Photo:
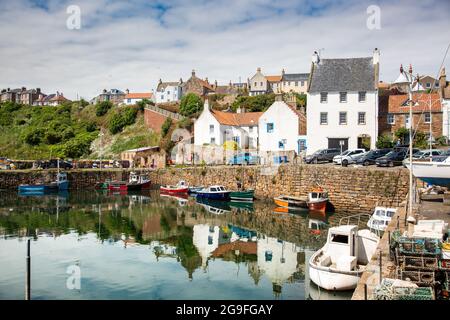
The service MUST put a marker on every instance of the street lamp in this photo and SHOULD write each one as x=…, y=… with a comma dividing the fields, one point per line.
x=406, y=79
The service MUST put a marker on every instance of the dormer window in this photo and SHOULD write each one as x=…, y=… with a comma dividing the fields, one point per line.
x=342, y=97
x=323, y=97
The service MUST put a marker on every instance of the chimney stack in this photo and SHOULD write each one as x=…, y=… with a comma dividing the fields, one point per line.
x=127, y=91
x=376, y=56
x=315, y=58
x=282, y=72
x=258, y=69
x=193, y=72
x=181, y=81
x=442, y=81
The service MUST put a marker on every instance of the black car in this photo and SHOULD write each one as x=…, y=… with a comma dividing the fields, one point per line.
x=394, y=158
x=371, y=156
x=323, y=155
x=53, y=163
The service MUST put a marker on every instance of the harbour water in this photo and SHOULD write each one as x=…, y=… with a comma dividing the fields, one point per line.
x=101, y=245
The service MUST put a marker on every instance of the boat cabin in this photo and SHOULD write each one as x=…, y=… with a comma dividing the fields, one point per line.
x=347, y=248
x=216, y=189
x=317, y=196
x=138, y=178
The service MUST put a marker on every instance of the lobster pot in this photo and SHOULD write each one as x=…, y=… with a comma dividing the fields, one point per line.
x=418, y=263
x=444, y=265
x=413, y=246
x=421, y=278
x=387, y=291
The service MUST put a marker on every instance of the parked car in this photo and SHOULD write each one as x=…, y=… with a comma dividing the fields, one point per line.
x=53, y=163
x=394, y=158
x=423, y=155
x=348, y=156
x=322, y=155
x=371, y=156
x=244, y=158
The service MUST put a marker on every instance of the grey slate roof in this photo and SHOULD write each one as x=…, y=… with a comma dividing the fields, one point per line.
x=295, y=77
x=334, y=75
x=164, y=85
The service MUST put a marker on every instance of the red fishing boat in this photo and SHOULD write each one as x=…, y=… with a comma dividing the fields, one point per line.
x=117, y=186
x=180, y=188
x=318, y=200
x=138, y=182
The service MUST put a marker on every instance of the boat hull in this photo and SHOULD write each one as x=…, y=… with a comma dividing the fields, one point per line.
x=434, y=173
x=247, y=195
x=37, y=188
x=319, y=206
x=117, y=187
x=331, y=279
x=224, y=196
x=174, y=191
x=291, y=204
x=139, y=186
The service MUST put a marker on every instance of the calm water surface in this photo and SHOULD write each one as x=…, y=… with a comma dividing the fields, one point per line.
x=149, y=246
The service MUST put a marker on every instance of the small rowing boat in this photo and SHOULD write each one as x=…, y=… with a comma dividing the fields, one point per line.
x=181, y=187
x=291, y=202
x=244, y=195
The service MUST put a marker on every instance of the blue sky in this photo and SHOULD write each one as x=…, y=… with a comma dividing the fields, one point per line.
x=132, y=44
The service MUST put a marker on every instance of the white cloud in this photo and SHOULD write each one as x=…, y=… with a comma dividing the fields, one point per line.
x=134, y=43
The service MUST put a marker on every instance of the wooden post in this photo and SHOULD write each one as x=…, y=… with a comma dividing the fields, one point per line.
x=28, y=274
x=381, y=266
x=365, y=291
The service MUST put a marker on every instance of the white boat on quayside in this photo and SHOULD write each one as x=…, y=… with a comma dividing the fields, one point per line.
x=381, y=218
x=339, y=264
x=434, y=173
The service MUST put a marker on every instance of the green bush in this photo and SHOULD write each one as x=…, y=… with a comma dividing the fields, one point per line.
x=401, y=134
x=420, y=140
x=384, y=141
x=255, y=103
x=190, y=104
x=121, y=119
x=91, y=126
x=33, y=136
x=441, y=141
x=102, y=108
x=166, y=127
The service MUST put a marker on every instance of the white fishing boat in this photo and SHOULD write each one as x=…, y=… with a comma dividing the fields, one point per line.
x=434, y=173
x=381, y=218
x=339, y=264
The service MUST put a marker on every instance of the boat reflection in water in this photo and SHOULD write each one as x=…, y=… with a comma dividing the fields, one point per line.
x=143, y=245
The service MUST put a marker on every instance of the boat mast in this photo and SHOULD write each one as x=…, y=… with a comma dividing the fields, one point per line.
x=410, y=148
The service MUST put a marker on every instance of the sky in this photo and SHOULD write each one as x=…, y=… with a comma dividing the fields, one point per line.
x=132, y=44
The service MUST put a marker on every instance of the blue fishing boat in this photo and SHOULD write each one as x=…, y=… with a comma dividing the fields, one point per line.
x=60, y=184
x=214, y=193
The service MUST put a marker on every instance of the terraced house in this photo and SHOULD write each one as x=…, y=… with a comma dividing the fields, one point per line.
x=343, y=103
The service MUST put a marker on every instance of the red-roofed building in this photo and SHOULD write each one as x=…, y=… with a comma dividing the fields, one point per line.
x=427, y=112
x=198, y=86
x=133, y=98
x=216, y=127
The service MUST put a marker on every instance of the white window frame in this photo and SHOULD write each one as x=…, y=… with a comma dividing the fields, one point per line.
x=393, y=118
x=326, y=118
x=324, y=97
x=362, y=94
x=346, y=120
x=359, y=114
x=343, y=97
x=425, y=117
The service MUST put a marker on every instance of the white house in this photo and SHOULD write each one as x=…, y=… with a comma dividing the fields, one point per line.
x=206, y=239
x=444, y=90
x=133, y=98
x=282, y=128
x=169, y=91
x=216, y=127
x=343, y=103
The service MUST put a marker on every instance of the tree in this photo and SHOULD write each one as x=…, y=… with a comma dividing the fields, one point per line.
x=255, y=103
x=102, y=108
x=401, y=134
x=300, y=99
x=420, y=140
x=190, y=104
x=384, y=141
x=166, y=127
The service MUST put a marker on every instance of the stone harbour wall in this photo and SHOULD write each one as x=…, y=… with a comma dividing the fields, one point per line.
x=352, y=190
